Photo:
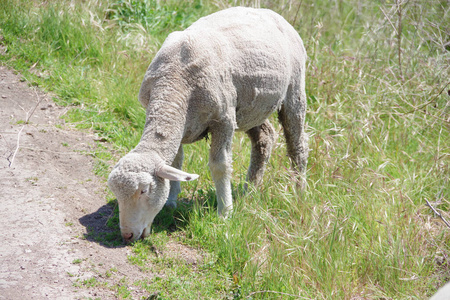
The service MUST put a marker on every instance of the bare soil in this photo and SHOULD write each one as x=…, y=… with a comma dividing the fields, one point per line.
x=50, y=202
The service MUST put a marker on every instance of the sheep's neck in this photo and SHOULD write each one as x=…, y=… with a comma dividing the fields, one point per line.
x=164, y=128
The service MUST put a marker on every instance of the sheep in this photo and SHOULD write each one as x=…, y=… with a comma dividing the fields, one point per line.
x=227, y=72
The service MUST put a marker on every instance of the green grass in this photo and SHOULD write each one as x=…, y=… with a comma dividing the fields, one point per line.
x=77, y=261
x=379, y=123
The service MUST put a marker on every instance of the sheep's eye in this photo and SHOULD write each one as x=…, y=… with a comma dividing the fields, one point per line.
x=144, y=191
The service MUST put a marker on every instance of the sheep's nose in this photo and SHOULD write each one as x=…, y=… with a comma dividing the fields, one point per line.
x=127, y=237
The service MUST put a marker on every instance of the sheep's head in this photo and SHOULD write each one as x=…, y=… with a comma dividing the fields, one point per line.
x=141, y=186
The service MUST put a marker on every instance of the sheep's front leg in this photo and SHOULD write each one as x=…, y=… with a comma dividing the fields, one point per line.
x=175, y=186
x=220, y=165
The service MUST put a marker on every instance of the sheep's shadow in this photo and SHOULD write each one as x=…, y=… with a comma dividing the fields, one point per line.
x=102, y=226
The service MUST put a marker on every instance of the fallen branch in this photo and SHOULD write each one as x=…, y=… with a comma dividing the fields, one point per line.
x=438, y=214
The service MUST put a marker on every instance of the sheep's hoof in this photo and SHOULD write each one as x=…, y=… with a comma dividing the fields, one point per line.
x=172, y=204
x=226, y=212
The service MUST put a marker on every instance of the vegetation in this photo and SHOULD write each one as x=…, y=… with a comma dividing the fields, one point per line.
x=379, y=124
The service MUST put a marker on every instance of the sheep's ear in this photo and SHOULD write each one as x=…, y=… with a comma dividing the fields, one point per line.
x=174, y=174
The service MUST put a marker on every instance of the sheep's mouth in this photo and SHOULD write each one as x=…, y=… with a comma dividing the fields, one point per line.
x=142, y=235
x=130, y=238
x=145, y=233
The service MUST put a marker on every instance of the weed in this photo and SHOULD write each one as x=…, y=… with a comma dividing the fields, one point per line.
x=90, y=282
x=33, y=180
x=122, y=289
x=101, y=168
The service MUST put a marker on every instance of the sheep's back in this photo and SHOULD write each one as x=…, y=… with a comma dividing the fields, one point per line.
x=252, y=55
x=238, y=63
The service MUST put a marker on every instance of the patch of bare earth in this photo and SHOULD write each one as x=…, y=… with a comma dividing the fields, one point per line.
x=52, y=203
x=184, y=253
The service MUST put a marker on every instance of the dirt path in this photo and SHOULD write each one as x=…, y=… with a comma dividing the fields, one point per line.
x=49, y=199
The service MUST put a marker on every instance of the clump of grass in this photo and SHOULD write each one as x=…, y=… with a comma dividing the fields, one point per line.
x=156, y=18
x=77, y=261
x=378, y=118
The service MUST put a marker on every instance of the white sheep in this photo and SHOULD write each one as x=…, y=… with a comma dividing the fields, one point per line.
x=227, y=72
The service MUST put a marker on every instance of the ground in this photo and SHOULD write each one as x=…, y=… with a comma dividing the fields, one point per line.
x=51, y=200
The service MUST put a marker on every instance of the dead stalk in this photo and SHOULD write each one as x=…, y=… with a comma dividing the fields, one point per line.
x=399, y=36
x=438, y=214
x=432, y=100
x=27, y=119
x=34, y=108
x=296, y=14
x=274, y=292
x=17, y=146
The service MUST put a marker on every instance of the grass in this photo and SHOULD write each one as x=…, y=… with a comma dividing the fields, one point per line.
x=379, y=123
x=77, y=261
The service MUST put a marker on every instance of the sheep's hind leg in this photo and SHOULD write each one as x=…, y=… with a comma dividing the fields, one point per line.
x=220, y=165
x=292, y=118
x=262, y=137
x=175, y=186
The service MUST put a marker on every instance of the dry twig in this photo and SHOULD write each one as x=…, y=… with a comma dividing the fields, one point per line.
x=17, y=146
x=431, y=101
x=296, y=14
x=438, y=214
x=399, y=36
x=27, y=119
x=274, y=292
